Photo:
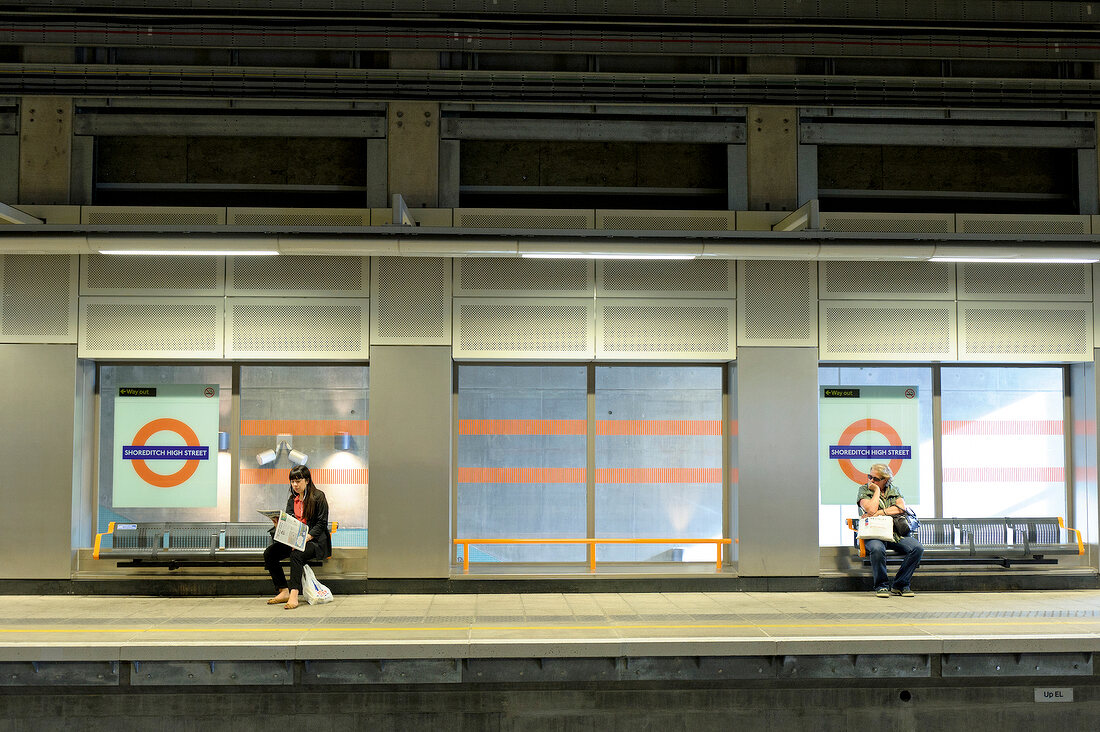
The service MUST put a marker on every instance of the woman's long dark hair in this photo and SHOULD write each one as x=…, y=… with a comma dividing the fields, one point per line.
x=309, y=498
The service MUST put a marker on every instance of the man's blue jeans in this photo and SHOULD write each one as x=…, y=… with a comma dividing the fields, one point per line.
x=910, y=546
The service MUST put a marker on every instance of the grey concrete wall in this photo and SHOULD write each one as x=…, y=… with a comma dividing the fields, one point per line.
x=409, y=512
x=777, y=462
x=37, y=398
x=874, y=704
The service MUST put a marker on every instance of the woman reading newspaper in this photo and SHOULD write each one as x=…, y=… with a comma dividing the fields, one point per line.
x=308, y=504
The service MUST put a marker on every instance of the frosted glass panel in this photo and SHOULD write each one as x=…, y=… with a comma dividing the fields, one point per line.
x=658, y=460
x=1003, y=442
x=321, y=413
x=522, y=438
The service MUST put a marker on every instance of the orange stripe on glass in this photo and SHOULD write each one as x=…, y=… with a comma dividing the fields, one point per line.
x=655, y=427
x=321, y=476
x=522, y=475
x=1004, y=475
x=633, y=476
x=273, y=427
x=1051, y=427
x=522, y=427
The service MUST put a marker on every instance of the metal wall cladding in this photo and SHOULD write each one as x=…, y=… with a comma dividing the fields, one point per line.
x=969, y=223
x=777, y=303
x=904, y=280
x=298, y=276
x=666, y=278
x=915, y=223
x=298, y=217
x=38, y=301
x=630, y=220
x=297, y=328
x=1011, y=331
x=680, y=330
x=523, y=218
x=103, y=274
x=519, y=277
x=524, y=329
x=412, y=301
x=1042, y=281
x=149, y=215
x=147, y=327
x=887, y=330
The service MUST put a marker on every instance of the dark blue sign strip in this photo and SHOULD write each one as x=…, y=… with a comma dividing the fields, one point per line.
x=872, y=452
x=174, y=452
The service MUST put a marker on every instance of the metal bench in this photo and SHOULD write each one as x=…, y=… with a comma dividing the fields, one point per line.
x=178, y=543
x=1003, y=541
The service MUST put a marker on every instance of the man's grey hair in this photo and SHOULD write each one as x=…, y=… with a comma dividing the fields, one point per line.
x=882, y=470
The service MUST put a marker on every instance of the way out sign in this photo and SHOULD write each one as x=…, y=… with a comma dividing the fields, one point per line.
x=166, y=446
x=863, y=425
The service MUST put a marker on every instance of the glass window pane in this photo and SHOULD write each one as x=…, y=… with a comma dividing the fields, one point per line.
x=321, y=413
x=1003, y=442
x=522, y=437
x=658, y=460
x=917, y=490
x=113, y=376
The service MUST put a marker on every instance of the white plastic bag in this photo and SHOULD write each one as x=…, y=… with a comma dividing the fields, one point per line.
x=315, y=592
x=876, y=527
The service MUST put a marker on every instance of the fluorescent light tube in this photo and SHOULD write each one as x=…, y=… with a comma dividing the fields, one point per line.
x=194, y=252
x=570, y=255
x=1017, y=260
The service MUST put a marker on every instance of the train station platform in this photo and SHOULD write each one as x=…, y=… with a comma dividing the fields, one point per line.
x=847, y=648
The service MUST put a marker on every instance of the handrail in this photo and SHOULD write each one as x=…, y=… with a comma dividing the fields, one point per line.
x=1080, y=544
x=718, y=543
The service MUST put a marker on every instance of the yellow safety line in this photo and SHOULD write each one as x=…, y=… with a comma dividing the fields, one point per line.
x=384, y=629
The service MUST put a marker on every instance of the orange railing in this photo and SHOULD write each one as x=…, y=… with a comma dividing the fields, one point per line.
x=465, y=543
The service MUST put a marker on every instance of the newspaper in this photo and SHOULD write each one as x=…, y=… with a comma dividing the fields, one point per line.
x=289, y=530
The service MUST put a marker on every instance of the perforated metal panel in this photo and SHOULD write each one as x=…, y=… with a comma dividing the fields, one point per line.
x=524, y=218
x=298, y=276
x=298, y=216
x=777, y=303
x=890, y=222
x=141, y=215
x=970, y=223
x=887, y=331
x=517, y=276
x=296, y=328
x=679, y=330
x=105, y=274
x=412, y=301
x=926, y=280
x=148, y=327
x=988, y=281
x=667, y=220
x=523, y=329
x=38, y=302
x=1008, y=331
x=665, y=278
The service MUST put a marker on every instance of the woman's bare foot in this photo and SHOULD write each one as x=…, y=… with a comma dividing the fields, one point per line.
x=292, y=600
x=281, y=597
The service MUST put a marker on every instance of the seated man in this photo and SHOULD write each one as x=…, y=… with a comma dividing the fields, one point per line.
x=879, y=497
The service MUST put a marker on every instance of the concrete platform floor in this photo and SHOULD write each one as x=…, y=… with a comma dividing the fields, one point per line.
x=547, y=625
